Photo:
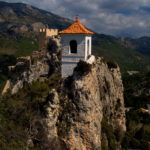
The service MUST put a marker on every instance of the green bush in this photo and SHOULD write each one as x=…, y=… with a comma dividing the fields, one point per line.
x=64, y=124
x=136, y=101
x=68, y=82
x=104, y=142
x=5, y=61
x=18, y=111
x=108, y=131
x=137, y=136
x=83, y=68
x=112, y=64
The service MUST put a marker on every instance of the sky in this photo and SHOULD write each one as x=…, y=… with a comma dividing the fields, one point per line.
x=113, y=17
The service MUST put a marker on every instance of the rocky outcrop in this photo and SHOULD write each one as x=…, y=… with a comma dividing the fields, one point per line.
x=111, y=89
x=38, y=66
x=84, y=111
x=85, y=116
x=45, y=128
x=74, y=115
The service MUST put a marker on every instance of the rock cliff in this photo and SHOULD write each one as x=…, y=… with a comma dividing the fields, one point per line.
x=83, y=112
x=39, y=66
x=74, y=116
x=87, y=99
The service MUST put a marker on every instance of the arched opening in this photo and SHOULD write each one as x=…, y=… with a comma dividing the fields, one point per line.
x=73, y=46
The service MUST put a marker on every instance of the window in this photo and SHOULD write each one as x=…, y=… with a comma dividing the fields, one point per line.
x=73, y=46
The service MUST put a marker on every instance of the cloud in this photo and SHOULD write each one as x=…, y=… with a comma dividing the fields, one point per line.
x=117, y=17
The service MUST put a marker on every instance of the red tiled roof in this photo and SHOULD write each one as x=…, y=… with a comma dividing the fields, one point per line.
x=76, y=28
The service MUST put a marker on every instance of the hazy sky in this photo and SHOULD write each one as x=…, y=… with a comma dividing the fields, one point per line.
x=117, y=17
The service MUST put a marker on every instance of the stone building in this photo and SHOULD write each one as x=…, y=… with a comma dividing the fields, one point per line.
x=49, y=32
x=44, y=34
x=76, y=46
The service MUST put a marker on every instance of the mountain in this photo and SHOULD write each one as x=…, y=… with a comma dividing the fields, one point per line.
x=17, y=14
x=141, y=44
x=20, y=23
x=127, y=52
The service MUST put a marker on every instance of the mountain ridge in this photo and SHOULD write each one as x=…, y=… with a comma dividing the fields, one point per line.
x=23, y=20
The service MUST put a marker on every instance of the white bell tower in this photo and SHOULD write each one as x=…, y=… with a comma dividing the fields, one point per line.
x=76, y=44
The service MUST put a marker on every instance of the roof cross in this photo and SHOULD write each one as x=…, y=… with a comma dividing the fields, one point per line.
x=76, y=18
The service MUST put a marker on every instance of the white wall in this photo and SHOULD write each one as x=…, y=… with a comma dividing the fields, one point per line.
x=88, y=48
x=70, y=60
x=67, y=68
x=66, y=38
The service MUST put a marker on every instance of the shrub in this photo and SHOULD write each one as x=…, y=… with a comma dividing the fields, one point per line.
x=104, y=142
x=108, y=131
x=112, y=64
x=64, y=124
x=83, y=68
x=18, y=112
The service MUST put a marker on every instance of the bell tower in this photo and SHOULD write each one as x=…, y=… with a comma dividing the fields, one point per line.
x=76, y=44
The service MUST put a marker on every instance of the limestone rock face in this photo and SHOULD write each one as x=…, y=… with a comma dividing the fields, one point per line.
x=86, y=98
x=85, y=130
x=45, y=127
x=111, y=94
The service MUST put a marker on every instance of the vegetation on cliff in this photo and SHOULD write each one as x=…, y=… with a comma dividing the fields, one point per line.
x=19, y=112
x=5, y=61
